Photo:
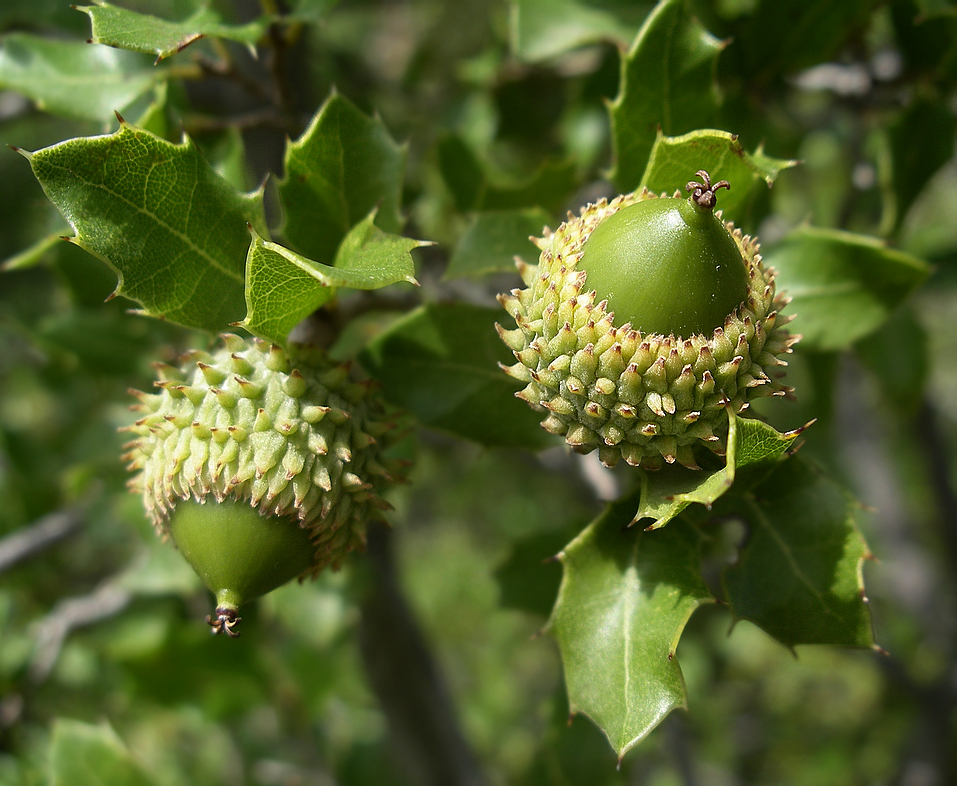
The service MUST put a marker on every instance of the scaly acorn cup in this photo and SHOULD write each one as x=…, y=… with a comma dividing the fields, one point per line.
x=647, y=322
x=262, y=465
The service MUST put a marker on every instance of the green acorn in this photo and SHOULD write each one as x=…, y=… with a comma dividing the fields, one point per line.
x=261, y=465
x=646, y=322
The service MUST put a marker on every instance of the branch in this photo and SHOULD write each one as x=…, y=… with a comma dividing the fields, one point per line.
x=38, y=536
x=404, y=676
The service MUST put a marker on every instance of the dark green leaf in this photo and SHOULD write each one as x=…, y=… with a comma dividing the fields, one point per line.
x=171, y=228
x=441, y=363
x=842, y=285
x=675, y=160
x=542, y=29
x=74, y=79
x=799, y=572
x=667, y=83
x=283, y=287
x=341, y=169
x=86, y=755
x=125, y=29
x=494, y=239
x=529, y=579
x=624, y=600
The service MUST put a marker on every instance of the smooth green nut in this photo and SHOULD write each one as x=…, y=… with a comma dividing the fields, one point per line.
x=646, y=325
x=261, y=464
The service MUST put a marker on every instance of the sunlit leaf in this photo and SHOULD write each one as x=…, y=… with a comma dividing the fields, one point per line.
x=842, y=285
x=171, y=228
x=440, y=362
x=667, y=83
x=74, y=79
x=125, y=29
x=283, y=287
x=625, y=597
x=342, y=168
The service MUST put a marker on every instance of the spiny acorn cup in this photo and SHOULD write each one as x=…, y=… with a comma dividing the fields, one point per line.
x=647, y=322
x=262, y=465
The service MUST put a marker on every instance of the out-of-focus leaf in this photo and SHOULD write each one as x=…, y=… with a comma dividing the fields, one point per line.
x=283, y=287
x=85, y=755
x=667, y=83
x=842, y=285
x=342, y=168
x=474, y=187
x=799, y=573
x=541, y=29
x=919, y=143
x=625, y=597
x=125, y=29
x=74, y=79
x=494, y=239
x=664, y=494
x=675, y=160
x=529, y=579
x=897, y=353
x=157, y=214
x=440, y=362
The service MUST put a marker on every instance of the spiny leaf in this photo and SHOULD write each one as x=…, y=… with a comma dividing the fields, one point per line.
x=74, y=79
x=674, y=161
x=799, y=573
x=283, y=287
x=667, y=82
x=342, y=168
x=440, y=362
x=625, y=598
x=119, y=27
x=160, y=217
x=842, y=285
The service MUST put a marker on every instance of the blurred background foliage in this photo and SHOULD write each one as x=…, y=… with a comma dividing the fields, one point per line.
x=104, y=661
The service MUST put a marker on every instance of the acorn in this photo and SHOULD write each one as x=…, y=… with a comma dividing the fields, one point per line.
x=261, y=464
x=646, y=323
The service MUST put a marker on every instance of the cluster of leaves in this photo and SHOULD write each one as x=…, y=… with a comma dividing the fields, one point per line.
x=582, y=100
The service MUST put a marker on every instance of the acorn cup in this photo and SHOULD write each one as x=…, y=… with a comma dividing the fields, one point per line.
x=645, y=323
x=261, y=465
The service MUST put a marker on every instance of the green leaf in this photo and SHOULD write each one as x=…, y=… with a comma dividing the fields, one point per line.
x=799, y=574
x=542, y=29
x=494, y=239
x=341, y=169
x=119, y=27
x=440, y=362
x=74, y=79
x=675, y=160
x=625, y=597
x=667, y=83
x=85, y=755
x=842, y=285
x=157, y=214
x=474, y=186
x=282, y=287
x=667, y=492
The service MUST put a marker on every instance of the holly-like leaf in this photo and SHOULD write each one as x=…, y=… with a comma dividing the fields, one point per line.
x=125, y=29
x=675, y=160
x=799, y=573
x=342, y=168
x=85, y=755
x=494, y=239
x=74, y=79
x=842, y=285
x=172, y=229
x=667, y=492
x=667, y=83
x=542, y=29
x=283, y=287
x=625, y=597
x=440, y=362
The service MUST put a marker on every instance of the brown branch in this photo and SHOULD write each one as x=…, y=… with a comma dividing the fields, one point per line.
x=38, y=536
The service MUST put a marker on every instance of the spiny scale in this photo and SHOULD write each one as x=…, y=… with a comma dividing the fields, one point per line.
x=293, y=436
x=648, y=399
